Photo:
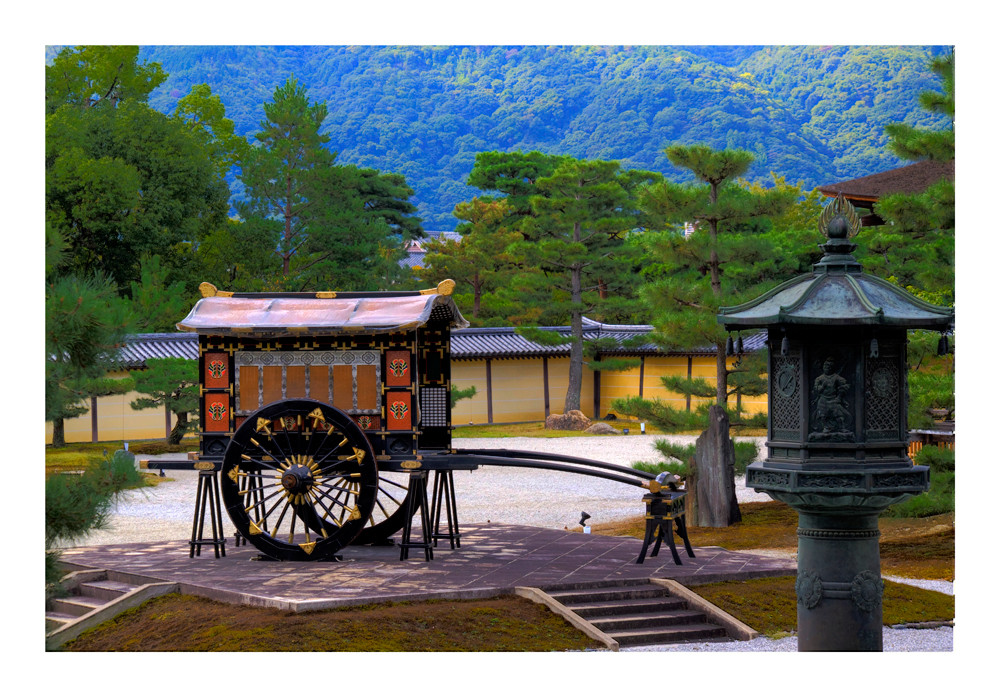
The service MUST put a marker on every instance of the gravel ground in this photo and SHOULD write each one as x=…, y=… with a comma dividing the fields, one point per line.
x=513, y=495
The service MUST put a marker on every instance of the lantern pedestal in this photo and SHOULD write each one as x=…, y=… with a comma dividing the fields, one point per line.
x=839, y=584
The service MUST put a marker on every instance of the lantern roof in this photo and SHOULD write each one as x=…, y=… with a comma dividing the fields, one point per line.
x=838, y=292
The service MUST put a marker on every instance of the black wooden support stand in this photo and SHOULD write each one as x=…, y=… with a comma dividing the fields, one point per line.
x=207, y=496
x=444, y=491
x=417, y=497
x=663, y=510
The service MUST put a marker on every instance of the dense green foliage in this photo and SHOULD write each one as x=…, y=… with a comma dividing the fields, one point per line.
x=811, y=113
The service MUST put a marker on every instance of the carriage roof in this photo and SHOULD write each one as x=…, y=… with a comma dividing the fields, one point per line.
x=221, y=313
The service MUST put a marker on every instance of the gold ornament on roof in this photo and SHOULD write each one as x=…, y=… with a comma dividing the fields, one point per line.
x=839, y=207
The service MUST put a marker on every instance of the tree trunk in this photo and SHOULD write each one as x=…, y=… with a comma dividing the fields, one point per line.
x=576, y=345
x=58, y=433
x=177, y=432
x=715, y=457
x=721, y=376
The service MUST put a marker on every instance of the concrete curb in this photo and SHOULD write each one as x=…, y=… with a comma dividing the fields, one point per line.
x=109, y=610
x=734, y=628
x=539, y=596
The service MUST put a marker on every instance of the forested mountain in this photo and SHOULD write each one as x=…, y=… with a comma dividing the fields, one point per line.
x=810, y=114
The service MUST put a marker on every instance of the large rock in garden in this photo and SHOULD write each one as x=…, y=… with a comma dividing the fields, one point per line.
x=573, y=420
x=715, y=457
x=602, y=430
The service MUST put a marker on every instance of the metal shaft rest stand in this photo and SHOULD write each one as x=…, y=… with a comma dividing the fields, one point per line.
x=664, y=509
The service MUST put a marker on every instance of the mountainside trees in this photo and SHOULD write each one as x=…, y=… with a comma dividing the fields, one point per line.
x=811, y=113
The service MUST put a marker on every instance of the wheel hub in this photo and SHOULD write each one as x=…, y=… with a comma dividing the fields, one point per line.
x=297, y=479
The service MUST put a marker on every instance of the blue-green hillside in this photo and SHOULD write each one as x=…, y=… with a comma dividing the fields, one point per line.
x=811, y=114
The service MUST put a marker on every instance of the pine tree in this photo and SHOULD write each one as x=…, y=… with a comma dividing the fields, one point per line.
x=285, y=173
x=170, y=383
x=85, y=323
x=912, y=143
x=577, y=242
x=721, y=262
x=478, y=263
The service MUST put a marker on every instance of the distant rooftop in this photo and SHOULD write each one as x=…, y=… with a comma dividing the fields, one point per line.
x=910, y=179
x=415, y=251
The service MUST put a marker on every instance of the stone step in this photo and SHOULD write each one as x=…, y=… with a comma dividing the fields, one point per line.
x=56, y=620
x=675, y=635
x=628, y=606
x=648, y=621
x=591, y=597
x=74, y=605
x=105, y=590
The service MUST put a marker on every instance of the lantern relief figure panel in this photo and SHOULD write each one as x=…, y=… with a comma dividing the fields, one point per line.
x=831, y=397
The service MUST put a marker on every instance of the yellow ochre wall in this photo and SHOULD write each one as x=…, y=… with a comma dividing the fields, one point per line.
x=518, y=395
x=519, y=390
x=116, y=420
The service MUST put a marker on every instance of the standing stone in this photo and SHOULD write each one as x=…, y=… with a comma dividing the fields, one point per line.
x=715, y=458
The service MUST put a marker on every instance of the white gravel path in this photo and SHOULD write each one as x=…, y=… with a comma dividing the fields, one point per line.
x=543, y=498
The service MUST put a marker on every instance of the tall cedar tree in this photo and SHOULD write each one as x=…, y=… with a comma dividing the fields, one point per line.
x=336, y=227
x=283, y=175
x=577, y=242
x=722, y=262
x=360, y=227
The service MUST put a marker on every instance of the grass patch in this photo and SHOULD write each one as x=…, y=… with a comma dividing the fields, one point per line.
x=186, y=623
x=769, y=605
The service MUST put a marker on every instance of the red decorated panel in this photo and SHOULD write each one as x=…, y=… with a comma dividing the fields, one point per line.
x=217, y=411
x=398, y=411
x=367, y=422
x=216, y=369
x=397, y=368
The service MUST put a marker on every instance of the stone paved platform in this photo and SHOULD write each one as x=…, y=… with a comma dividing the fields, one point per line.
x=493, y=559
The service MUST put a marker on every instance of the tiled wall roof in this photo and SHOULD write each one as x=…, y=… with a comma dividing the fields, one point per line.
x=139, y=347
x=489, y=342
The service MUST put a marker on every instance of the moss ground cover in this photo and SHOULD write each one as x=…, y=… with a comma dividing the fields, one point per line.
x=186, y=623
x=768, y=604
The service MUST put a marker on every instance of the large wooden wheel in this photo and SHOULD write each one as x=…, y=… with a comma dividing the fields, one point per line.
x=299, y=480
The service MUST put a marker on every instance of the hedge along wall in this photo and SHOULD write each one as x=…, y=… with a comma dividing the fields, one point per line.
x=115, y=420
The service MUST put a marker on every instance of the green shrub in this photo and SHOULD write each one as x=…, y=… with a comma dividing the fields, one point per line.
x=937, y=458
x=75, y=504
x=746, y=452
x=939, y=499
x=679, y=459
